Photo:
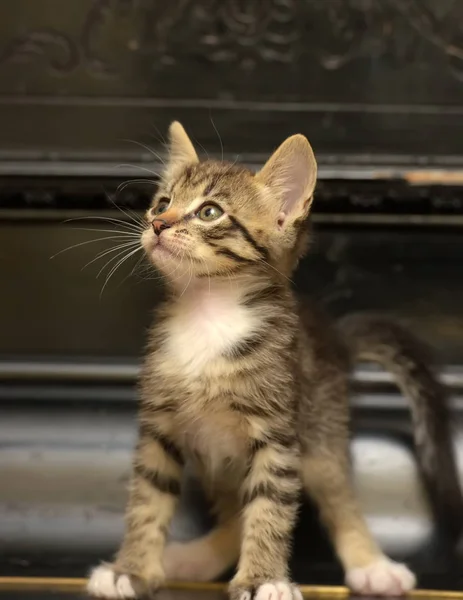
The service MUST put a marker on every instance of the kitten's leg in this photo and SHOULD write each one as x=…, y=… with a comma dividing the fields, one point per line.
x=208, y=557
x=271, y=500
x=154, y=491
x=326, y=477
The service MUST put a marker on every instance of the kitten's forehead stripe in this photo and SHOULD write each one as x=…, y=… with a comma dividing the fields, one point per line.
x=210, y=173
x=187, y=174
x=221, y=195
x=208, y=189
x=210, y=186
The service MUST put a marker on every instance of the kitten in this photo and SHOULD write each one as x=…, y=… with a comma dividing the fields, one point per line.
x=242, y=380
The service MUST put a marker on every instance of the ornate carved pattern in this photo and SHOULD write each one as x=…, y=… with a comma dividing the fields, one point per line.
x=98, y=15
x=439, y=24
x=249, y=33
x=59, y=51
x=403, y=29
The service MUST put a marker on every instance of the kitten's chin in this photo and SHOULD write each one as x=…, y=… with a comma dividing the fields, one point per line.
x=163, y=258
x=168, y=263
x=162, y=250
x=157, y=252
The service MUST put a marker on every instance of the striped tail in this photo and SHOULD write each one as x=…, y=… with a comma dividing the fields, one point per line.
x=376, y=339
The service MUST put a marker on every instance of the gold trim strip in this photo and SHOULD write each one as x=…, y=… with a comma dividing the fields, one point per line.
x=434, y=176
x=71, y=584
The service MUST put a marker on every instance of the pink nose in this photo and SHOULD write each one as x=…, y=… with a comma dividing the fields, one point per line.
x=159, y=225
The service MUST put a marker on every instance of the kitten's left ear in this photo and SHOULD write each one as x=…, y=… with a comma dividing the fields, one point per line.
x=291, y=174
x=181, y=150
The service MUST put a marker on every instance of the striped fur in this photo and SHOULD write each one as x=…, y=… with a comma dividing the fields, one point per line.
x=246, y=385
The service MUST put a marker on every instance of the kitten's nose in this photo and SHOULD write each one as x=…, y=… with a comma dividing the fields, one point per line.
x=159, y=225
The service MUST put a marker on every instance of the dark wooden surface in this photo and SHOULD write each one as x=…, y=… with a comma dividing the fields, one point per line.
x=368, y=82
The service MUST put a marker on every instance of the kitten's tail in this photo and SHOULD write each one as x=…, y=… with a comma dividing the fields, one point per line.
x=397, y=350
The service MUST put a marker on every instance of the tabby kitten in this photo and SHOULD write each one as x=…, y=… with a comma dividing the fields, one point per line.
x=242, y=382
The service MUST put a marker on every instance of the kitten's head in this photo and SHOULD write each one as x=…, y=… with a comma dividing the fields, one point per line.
x=212, y=219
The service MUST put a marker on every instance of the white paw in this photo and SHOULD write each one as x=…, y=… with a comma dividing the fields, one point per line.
x=381, y=578
x=105, y=583
x=280, y=590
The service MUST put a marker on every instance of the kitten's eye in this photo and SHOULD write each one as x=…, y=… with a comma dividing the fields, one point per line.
x=210, y=212
x=161, y=206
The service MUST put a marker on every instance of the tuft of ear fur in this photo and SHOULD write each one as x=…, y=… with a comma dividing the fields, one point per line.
x=181, y=150
x=290, y=174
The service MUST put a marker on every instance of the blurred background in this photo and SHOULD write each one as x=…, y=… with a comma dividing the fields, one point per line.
x=87, y=90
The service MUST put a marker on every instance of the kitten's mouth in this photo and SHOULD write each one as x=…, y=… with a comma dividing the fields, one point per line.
x=162, y=249
x=171, y=250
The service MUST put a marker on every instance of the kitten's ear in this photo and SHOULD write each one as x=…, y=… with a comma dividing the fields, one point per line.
x=291, y=174
x=181, y=149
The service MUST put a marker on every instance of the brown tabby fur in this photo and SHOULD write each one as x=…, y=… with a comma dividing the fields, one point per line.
x=260, y=407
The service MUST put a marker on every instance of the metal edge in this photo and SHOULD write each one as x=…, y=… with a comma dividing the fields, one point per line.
x=330, y=167
x=126, y=371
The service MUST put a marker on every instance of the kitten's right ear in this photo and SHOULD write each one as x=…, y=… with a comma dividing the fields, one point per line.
x=181, y=150
x=291, y=174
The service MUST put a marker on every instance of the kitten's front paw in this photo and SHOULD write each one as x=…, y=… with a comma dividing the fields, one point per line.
x=104, y=582
x=275, y=590
x=381, y=578
x=107, y=582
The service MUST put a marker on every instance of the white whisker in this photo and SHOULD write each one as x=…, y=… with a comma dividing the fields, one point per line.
x=169, y=275
x=109, y=251
x=133, y=217
x=275, y=269
x=202, y=148
x=121, y=187
x=111, y=260
x=111, y=220
x=113, y=231
x=160, y=139
x=203, y=260
x=118, y=264
x=191, y=275
x=218, y=135
x=150, y=150
x=136, y=265
x=139, y=167
x=107, y=237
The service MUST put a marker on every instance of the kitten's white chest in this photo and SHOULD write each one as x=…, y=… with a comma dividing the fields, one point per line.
x=205, y=327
